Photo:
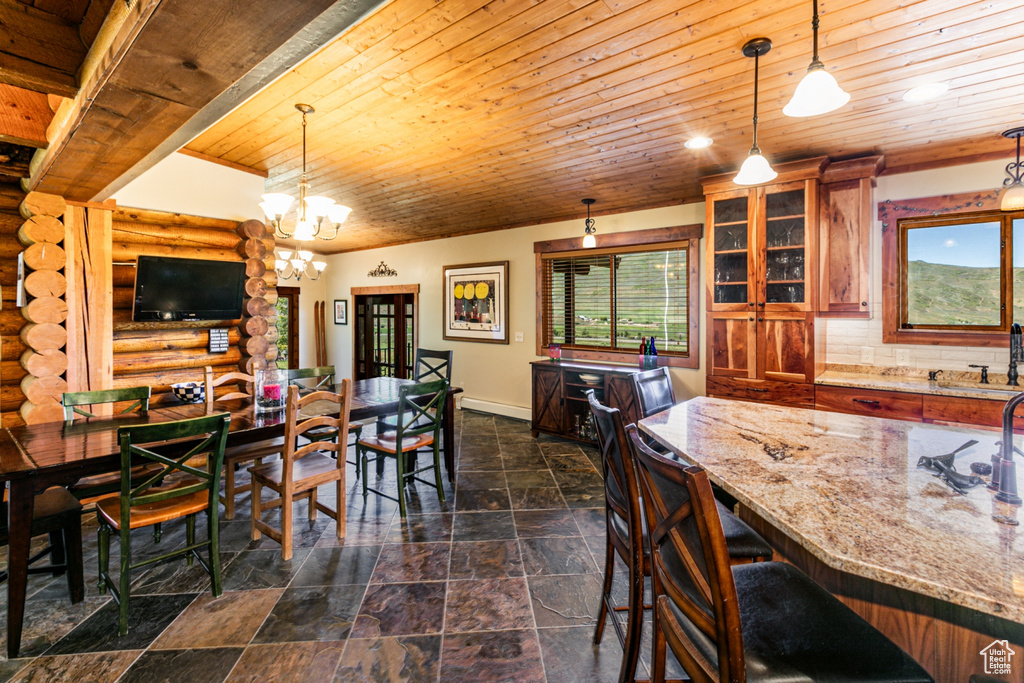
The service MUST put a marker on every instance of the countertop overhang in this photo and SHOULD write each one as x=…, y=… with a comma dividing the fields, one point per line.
x=847, y=488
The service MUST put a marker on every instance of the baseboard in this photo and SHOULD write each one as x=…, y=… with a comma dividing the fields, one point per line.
x=505, y=410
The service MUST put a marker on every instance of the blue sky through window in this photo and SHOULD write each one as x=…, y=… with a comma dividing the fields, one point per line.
x=975, y=245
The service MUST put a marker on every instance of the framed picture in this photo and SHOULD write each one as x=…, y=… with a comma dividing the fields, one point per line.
x=341, y=311
x=476, y=302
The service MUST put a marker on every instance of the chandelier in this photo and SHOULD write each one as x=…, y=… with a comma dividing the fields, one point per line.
x=318, y=217
x=298, y=267
x=589, y=241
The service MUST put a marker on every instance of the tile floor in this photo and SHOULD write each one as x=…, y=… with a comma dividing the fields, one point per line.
x=500, y=583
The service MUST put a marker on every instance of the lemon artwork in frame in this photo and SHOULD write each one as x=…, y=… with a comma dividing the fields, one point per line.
x=476, y=302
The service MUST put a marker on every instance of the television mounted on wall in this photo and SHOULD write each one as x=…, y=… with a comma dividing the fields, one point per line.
x=173, y=289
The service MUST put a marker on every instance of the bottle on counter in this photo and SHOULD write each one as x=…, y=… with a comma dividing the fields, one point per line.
x=653, y=353
x=643, y=352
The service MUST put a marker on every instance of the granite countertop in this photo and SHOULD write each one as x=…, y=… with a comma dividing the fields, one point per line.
x=912, y=380
x=847, y=488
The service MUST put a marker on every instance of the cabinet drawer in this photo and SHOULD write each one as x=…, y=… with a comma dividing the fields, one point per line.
x=972, y=411
x=782, y=393
x=889, y=404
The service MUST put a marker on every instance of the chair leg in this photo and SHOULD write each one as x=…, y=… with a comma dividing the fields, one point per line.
x=286, y=525
x=257, y=500
x=57, y=555
x=190, y=536
x=361, y=457
x=437, y=472
x=158, y=532
x=73, y=550
x=213, y=529
x=229, y=492
x=125, y=579
x=400, y=465
x=341, y=506
x=103, y=545
x=657, y=646
x=634, y=624
x=609, y=572
x=312, y=505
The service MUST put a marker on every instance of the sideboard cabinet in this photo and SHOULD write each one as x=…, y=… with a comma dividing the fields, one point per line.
x=559, y=394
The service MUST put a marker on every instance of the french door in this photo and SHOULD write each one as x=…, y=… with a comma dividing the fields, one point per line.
x=385, y=334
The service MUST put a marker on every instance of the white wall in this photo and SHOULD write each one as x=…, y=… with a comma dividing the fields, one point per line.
x=493, y=373
x=184, y=184
x=846, y=338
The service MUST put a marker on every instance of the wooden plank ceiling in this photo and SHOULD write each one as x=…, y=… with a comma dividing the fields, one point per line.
x=443, y=118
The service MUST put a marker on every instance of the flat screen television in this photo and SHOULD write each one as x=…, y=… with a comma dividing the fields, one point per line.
x=169, y=289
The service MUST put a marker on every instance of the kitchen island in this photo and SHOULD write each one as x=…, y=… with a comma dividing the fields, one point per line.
x=842, y=497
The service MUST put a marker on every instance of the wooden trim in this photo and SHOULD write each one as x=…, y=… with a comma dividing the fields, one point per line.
x=110, y=204
x=650, y=237
x=890, y=211
x=387, y=289
x=223, y=162
x=854, y=169
x=946, y=163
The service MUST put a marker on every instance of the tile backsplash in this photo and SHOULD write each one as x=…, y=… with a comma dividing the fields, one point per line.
x=845, y=340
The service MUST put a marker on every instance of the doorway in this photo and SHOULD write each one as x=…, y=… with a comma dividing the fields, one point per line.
x=287, y=328
x=386, y=331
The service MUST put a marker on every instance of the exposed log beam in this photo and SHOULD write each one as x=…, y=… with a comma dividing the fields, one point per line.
x=24, y=116
x=175, y=67
x=39, y=51
x=14, y=161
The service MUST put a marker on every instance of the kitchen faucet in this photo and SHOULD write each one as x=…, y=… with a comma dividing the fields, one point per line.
x=1006, y=488
x=984, y=372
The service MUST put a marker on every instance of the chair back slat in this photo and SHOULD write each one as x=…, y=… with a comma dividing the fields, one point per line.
x=653, y=390
x=420, y=409
x=690, y=560
x=73, y=401
x=622, y=491
x=242, y=380
x=433, y=365
x=337, y=419
x=213, y=429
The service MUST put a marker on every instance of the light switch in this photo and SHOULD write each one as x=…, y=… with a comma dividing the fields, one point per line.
x=519, y=336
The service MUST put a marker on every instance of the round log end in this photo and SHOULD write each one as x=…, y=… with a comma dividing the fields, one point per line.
x=37, y=413
x=41, y=229
x=44, y=336
x=252, y=229
x=46, y=363
x=42, y=204
x=42, y=283
x=46, y=309
x=44, y=256
x=39, y=389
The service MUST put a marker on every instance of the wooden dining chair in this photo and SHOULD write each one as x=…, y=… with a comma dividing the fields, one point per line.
x=420, y=419
x=156, y=502
x=624, y=532
x=323, y=378
x=59, y=515
x=726, y=622
x=236, y=456
x=302, y=470
x=133, y=399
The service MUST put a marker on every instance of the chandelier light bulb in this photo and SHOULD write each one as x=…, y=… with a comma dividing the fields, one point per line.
x=319, y=265
x=298, y=264
x=284, y=254
x=755, y=170
x=319, y=206
x=1013, y=198
x=280, y=264
x=338, y=213
x=589, y=242
x=275, y=205
x=818, y=93
x=304, y=231
x=305, y=255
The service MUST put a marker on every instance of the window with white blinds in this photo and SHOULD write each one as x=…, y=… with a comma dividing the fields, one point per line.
x=609, y=300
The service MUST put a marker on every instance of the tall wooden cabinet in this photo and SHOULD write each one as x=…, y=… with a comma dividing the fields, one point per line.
x=762, y=269
x=559, y=394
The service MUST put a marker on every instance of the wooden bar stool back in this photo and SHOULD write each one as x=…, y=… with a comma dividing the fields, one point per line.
x=725, y=622
x=156, y=501
x=303, y=469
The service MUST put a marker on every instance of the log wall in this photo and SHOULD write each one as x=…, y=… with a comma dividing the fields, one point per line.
x=160, y=354
x=11, y=321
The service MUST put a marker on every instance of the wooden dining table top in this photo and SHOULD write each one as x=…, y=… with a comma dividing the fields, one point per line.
x=26, y=450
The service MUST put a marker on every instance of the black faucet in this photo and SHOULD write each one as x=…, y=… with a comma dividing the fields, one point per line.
x=1006, y=483
x=1016, y=354
x=933, y=375
x=984, y=372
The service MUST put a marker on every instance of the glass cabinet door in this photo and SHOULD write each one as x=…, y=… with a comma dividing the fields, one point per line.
x=731, y=242
x=785, y=247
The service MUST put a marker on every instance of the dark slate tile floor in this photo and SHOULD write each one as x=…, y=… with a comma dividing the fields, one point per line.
x=499, y=583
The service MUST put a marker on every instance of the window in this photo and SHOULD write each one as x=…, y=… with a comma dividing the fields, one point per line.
x=598, y=304
x=957, y=275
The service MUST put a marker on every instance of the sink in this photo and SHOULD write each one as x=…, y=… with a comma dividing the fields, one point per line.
x=979, y=388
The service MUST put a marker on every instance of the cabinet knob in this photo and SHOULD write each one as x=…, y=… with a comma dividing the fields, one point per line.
x=751, y=303
x=760, y=320
x=863, y=303
x=761, y=304
x=751, y=320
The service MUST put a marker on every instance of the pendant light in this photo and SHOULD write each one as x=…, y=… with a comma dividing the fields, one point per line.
x=818, y=92
x=755, y=169
x=1013, y=195
x=589, y=241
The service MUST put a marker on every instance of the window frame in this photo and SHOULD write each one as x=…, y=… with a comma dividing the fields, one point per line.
x=658, y=239
x=894, y=279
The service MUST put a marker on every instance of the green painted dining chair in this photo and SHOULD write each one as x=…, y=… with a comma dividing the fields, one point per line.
x=420, y=417
x=154, y=501
x=83, y=403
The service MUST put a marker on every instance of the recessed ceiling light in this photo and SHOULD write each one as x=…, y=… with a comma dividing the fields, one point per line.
x=698, y=143
x=925, y=91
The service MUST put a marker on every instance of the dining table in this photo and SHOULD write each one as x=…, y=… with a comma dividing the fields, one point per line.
x=39, y=456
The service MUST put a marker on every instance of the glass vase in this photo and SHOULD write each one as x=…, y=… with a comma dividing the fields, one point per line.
x=270, y=395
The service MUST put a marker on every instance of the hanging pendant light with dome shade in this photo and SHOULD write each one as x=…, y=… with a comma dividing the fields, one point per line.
x=818, y=92
x=1013, y=195
x=755, y=169
x=318, y=217
x=589, y=241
